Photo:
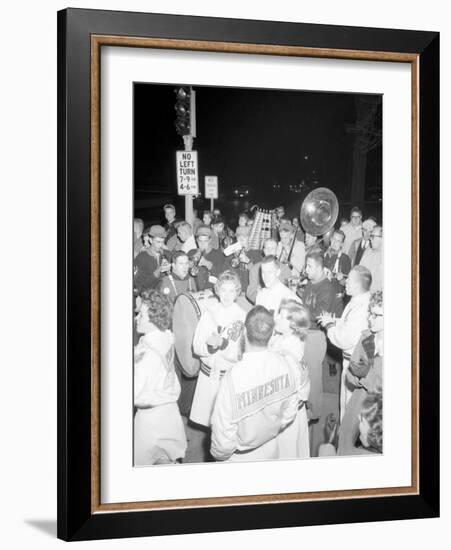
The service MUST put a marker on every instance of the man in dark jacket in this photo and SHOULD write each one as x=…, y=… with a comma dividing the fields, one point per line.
x=359, y=246
x=150, y=264
x=171, y=224
x=243, y=260
x=338, y=266
x=319, y=293
x=209, y=262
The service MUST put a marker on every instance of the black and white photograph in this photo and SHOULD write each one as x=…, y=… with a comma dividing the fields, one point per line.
x=257, y=274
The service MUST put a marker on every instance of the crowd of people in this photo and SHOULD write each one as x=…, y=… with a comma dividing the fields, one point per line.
x=260, y=313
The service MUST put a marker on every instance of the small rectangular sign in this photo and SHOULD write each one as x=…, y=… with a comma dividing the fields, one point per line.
x=211, y=187
x=187, y=173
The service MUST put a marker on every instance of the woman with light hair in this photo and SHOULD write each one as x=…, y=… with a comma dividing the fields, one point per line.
x=217, y=341
x=291, y=325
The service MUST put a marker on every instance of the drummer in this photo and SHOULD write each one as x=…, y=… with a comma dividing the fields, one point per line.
x=179, y=280
x=217, y=341
x=208, y=260
x=173, y=284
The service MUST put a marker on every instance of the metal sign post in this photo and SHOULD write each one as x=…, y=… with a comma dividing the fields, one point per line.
x=211, y=189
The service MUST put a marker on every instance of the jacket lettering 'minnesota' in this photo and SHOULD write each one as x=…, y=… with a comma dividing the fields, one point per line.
x=257, y=399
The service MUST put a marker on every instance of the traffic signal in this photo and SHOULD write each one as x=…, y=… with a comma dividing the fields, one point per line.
x=183, y=110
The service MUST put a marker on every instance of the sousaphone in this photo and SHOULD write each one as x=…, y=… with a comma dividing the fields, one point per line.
x=319, y=211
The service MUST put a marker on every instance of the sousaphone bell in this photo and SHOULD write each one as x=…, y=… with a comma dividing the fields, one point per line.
x=319, y=211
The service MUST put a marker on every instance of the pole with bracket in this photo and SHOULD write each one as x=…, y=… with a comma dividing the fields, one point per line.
x=188, y=142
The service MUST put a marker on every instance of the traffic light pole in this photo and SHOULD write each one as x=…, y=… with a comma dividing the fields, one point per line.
x=188, y=142
x=189, y=214
x=187, y=129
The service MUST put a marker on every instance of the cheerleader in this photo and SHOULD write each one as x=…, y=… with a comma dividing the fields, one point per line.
x=291, y=325
x=217, y=341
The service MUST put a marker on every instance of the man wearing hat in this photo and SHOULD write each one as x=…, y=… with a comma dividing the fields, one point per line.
x=151, y=263
x=290, y=251
x=208, y=261
x=359, y=245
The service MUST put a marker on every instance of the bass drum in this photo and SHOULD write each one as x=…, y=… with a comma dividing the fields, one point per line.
x=188, y=308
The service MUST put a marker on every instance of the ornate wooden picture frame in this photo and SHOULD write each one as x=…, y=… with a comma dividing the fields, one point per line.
x=81, y=36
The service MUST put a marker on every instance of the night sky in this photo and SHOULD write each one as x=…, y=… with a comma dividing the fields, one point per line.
x=248, y=137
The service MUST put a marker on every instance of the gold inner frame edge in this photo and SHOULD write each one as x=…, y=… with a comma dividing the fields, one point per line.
x=97, y=41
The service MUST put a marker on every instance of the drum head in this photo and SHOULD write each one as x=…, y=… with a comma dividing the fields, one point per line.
x=184, y=322
x=187, y=311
